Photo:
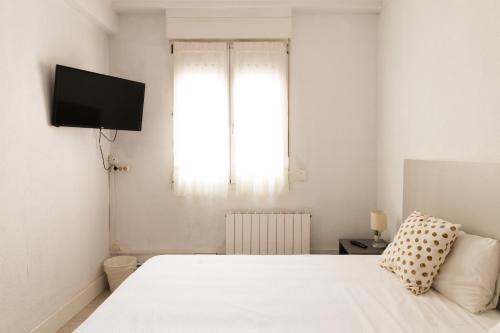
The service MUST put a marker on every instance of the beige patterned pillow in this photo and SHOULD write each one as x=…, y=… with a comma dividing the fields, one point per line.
x=418, y=250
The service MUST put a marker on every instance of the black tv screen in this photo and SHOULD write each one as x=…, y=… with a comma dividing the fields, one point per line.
x=92, y=100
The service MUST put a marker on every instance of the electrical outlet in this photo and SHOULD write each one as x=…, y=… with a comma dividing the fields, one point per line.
x=112, y=159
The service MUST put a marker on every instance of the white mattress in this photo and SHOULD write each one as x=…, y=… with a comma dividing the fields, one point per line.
x=322, y=293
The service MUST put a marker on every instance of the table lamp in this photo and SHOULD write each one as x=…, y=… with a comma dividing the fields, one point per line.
x=378, y=223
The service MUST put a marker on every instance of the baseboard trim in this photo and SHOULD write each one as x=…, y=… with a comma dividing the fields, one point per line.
x=71, y=308
x=324, y=251
x=125, y=251
x=153, y=252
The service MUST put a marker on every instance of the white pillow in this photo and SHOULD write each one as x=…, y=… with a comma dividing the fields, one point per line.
x=469, y=275
x=495, y=329
x=497, y=293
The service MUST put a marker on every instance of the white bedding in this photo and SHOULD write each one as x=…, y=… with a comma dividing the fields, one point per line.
x=323, y=293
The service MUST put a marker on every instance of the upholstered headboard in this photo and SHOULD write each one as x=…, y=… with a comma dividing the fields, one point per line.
x=461, y=192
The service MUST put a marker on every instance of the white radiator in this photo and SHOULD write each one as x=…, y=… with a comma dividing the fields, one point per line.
x=268, y=233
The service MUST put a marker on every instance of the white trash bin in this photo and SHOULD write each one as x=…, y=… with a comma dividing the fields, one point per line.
x=118, y=269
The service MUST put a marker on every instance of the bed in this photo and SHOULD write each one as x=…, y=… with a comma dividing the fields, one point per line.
x=316, y=293
x=308, y=293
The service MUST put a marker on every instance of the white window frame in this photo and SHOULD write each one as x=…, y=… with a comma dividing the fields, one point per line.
x=229, y=43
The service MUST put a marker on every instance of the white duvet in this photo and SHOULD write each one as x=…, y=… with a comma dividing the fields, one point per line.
x=314, y=293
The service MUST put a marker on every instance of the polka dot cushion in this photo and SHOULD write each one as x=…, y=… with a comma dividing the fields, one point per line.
x=418, y=250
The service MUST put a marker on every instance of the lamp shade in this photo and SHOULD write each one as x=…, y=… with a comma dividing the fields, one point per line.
x=378, y=220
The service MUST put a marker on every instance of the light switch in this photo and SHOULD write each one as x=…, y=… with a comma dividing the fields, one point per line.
x=298, y=175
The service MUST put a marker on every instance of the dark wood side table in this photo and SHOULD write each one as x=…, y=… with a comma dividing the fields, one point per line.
x=345, y=247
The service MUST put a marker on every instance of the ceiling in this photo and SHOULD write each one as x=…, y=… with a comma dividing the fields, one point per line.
x=359, y=6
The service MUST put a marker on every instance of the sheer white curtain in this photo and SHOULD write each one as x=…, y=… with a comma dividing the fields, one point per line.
x=201, y=119
x=260, y=117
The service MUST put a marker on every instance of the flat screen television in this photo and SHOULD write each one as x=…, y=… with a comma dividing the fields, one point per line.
x=92, y=100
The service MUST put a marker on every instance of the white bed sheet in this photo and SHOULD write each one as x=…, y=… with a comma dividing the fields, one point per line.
x=316, y=293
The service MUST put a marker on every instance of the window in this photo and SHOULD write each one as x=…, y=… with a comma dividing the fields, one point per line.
x=230, y=118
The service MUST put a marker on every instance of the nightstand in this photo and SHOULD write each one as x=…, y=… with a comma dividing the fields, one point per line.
x=345, y=247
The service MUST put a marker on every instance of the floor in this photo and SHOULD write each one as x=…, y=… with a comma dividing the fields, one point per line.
x=74, y=322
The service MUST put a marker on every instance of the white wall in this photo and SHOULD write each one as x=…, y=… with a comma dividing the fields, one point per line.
x=332, y=136
x=53, y=191
x=439, y=87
